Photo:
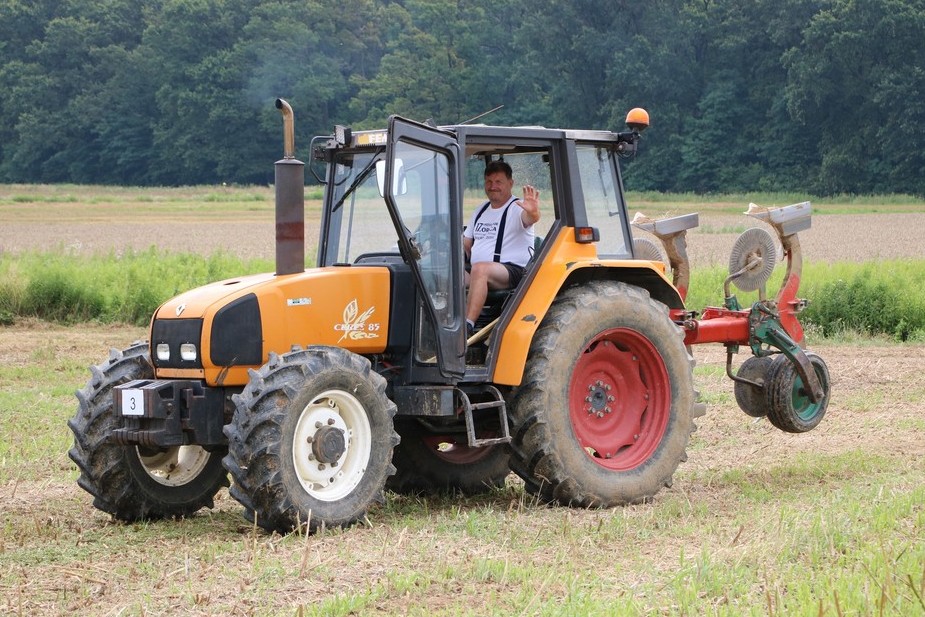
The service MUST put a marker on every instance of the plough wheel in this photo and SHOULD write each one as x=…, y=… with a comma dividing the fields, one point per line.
x=752, y=399
x=789, y=406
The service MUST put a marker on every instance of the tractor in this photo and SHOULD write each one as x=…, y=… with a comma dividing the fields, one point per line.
x=316, y=391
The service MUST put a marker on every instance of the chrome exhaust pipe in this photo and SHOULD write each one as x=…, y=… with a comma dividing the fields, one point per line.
x=290, y=201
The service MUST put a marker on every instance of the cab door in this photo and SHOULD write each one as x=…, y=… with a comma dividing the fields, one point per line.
x=423, y=193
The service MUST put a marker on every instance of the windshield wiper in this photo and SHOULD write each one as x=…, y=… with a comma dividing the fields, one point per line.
x=359, y=180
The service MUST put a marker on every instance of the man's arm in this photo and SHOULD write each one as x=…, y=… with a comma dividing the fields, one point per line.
x=530, y=205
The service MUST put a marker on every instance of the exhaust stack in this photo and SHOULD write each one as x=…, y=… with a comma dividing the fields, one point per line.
x=290, y=201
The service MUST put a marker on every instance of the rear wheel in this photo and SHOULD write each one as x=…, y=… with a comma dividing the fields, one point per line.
x=129, y=482
x=430, y=463
x=789, y=407
x=607, y=403
x=311, y=440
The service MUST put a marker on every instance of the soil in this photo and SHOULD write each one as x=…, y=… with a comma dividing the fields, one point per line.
x=834, y=238
x=878, y=399
x=875, y=389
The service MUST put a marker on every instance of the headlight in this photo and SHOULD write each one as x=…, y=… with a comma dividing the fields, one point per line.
x=188, y=352
x=163, y=352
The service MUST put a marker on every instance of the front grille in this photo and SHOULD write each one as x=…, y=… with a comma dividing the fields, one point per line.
x=175, y=332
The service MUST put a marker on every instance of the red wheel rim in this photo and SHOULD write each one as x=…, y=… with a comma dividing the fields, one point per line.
x=619, y=399
x=451, y=450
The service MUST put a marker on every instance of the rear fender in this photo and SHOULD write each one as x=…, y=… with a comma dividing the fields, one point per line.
x=568, y=263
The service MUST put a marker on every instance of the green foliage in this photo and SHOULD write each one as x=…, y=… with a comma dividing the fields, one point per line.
x=820, y=96
x=879, y=298
x=874, y=298
x=127, y=288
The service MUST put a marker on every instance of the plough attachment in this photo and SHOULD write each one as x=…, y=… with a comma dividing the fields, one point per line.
x=781, y=380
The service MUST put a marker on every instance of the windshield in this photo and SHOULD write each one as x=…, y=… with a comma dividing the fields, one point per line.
x=359, y=222
x=602, y=189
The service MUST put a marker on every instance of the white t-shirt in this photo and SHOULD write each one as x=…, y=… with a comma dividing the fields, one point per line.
x=517, y=244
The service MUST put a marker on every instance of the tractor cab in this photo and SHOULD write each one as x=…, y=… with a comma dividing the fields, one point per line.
x=400, y=198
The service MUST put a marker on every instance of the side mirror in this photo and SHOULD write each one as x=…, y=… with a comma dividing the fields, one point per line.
x=399, y=181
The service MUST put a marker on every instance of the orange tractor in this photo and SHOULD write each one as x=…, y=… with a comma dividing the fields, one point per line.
x=318, y=389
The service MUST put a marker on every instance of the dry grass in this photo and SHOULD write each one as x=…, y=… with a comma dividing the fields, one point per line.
x=752, y=512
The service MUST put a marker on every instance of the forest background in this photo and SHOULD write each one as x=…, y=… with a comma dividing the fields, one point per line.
x=820, y=96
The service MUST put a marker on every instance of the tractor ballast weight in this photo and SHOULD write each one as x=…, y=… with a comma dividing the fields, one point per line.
x=317, y=390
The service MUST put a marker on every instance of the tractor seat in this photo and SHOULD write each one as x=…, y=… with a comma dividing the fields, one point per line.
x=497, y=297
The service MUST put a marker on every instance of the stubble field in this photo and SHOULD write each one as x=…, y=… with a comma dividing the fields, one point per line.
x=830, y=522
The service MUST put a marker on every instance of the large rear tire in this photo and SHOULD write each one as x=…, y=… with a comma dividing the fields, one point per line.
x=311, y=440
x=607, y=404
x=128, y=482
x=428, y=463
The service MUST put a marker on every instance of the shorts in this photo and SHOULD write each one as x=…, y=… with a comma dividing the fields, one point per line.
x=515, y=273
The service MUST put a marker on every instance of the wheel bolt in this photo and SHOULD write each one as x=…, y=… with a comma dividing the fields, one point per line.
x=318, y=425
x=321, y=466
x=310, y=439
x=600, y=414
x=330, y=421
x=607, y=409
x=610, y=399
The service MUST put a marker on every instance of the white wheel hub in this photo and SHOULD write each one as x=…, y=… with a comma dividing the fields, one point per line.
x=339, y=419
x=175, y=466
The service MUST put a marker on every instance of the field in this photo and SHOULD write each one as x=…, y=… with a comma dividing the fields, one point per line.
x=831, y=522
x=87, y=220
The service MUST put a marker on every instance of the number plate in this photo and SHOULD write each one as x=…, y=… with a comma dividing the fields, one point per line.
x=133, y=402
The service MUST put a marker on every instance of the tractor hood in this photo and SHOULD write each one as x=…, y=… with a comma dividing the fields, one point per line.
x=220, y=330
x=197, y=302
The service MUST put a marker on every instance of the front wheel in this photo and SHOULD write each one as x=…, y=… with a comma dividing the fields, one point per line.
x=607, y=404
x=128, y=482
x=311, y=440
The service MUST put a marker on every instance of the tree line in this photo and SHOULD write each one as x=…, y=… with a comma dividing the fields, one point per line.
x=820, y=96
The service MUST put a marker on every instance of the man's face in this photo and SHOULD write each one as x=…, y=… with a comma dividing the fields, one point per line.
x=498, y=187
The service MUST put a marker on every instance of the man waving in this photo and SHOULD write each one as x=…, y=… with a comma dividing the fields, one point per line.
x=499, y=238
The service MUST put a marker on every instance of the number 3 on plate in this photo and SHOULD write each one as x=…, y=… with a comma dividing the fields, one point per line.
x=133, y=403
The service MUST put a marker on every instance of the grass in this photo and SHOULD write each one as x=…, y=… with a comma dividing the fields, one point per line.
x=109, y=288
x=874, y=298
x=757, y=522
